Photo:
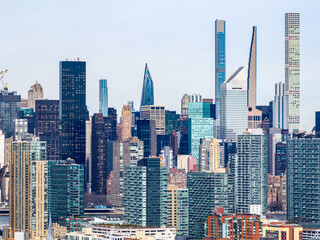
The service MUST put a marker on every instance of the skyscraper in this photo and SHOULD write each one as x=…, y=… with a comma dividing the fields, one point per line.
x=146, y=193
x=280, y=111
x=147, y=97
x=292, y=69
x=317, y=124
x=73, y=111
x=303, y=180
x=126, y=122
x=146, y=132
x=156, y=113
x=185, y=104
x=220, y=61
x=251, y=171
x=47, y=126
x=103, y=97
x=252, y=70
x=35, y=93
x=234, y=104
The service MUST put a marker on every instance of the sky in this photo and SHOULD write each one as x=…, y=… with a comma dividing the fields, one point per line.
x=175, y=37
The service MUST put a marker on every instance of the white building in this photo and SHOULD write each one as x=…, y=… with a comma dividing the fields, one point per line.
x=157, y=113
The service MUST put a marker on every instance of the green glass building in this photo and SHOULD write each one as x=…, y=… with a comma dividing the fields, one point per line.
x=303, y=180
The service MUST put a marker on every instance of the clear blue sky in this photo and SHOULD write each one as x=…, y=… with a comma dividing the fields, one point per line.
x=175, y=37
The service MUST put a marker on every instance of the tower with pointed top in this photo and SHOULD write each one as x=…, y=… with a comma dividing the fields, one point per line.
x=147, y=97
x=252, y=70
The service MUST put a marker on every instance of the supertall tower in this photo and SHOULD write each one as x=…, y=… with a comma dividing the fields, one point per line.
x=220, y=61
x=103, y=97
x=292, y=69
x=147, y=97
x=252, y=70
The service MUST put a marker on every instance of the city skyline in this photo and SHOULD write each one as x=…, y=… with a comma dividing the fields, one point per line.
x=172, y=61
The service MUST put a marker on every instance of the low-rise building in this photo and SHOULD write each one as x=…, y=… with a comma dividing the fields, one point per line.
x=311, y=233
x=281, y=231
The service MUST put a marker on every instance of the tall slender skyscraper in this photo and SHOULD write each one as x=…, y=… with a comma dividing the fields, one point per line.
x=252, y=70
x=103, y=97
x=73, y=110
x=292, y=69
x=147, y=97
x=220, y=60
x=279, y=106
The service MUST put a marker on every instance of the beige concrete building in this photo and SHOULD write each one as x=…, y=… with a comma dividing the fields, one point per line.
x=254, y=118
x=35, y=93
x=125, y=122
x=279, y=230
x=157, y=113
x=185, y=104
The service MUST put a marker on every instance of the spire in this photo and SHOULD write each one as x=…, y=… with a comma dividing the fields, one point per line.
x=252, y=71
x=50, y=235
x=147, y=97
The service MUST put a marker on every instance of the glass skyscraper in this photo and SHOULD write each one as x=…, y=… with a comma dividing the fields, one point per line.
x=73, y=110
x=292, y=69
x=220, y=61
x=147, y=97
x=200, y=126
x=103, y=97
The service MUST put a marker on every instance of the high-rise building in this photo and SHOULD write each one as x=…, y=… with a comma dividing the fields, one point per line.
x=47, y=126
x=147, y=97
x=185, y=104
x=66, y=189
x=125, y=153
x=101, y=153
x=232, y=226
x=162, y=141
x=29, y=189
x=210, y=152
x=317, y=124
x=292, y=69
x=177, y=177
x=126, y=122
x=183, y=135
x=303, y=180
x=35, y=93
x=178, y=209
x=251, y=172
x=281, y=159
x=73, y=110
x=252, y=70
x=234, y=104
x=220, y=62
x=103, y=97
x=200, y=126
x=2, y=149
x=145, y=198
x=88, y=165
x=280, y=111
x=146, y=132
x=207, y=191
x=29, y=115
x=274, y=137
x=9, y=110
x=170, y=121
x=156, y=113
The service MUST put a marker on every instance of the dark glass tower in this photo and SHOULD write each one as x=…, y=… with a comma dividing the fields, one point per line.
x=147, y=97
x=317, y=127
x=47, y=126
x=146, y=132
x=73, y=110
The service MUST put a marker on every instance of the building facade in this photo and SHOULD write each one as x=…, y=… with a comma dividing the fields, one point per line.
x=35, y=93
x=156, y=113
x=147, y=96
x=103, y=97
x=146, y=132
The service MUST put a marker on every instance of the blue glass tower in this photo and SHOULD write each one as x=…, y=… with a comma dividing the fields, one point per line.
x=147, y=97
x=103, y=97
x=220, y=61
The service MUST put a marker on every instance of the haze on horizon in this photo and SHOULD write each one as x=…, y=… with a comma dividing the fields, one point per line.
x=175, y=38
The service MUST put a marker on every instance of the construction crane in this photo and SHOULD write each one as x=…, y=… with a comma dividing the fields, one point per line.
x=4, y=83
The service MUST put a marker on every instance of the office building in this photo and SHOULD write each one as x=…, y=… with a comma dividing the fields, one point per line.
x=167, y=157
x=147, y=96
x=317, y=124
x=2, y=149
x=251, y=172
x=232, y=226
x=146, y=132
x=66, y=189
x=207, y=191
x=184, y=104
x=274, y=137
x=174, y=141
x=125, y=153
x=103, y=97
x=170, y=121
x=281, y=231
x=280, y=111
x=210, y=152
x=29, y=115
x=126, y=122
x=200, y=126
x=101, y=153
x=9, y=110
x=20, y=129
x=47, y=126
x=156, y=113
x=234, y=105
x=88, y=165
x=303, y=180
x=73, y=110
x=28, y=199
x=162, y=141
x=178, y=209
x=220, y=61
x=280, y=158
x=292, y=69
x=183, y=135
x=145, y=199
x=187, y=162
x=35, y=93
